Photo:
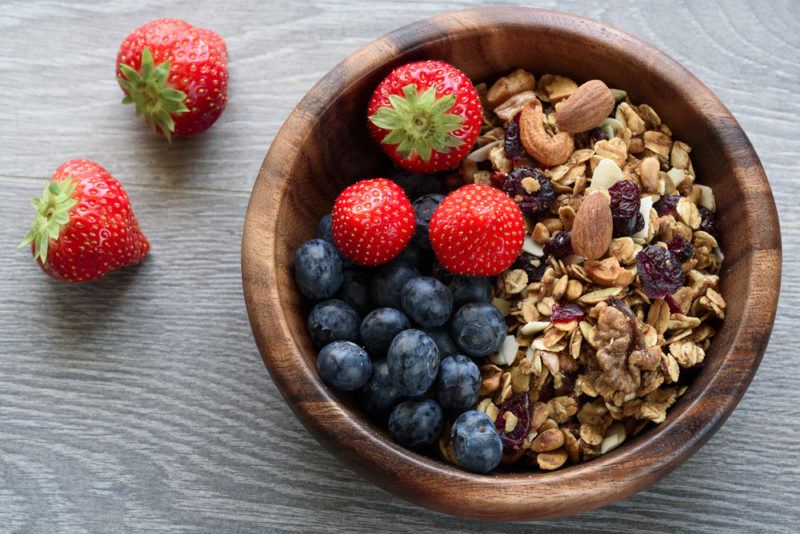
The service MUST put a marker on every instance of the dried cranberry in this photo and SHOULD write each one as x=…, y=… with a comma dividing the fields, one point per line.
x=598, y=134
x=639, y=223
x=625, y=204
x=667, y=205
x=532, y=265
x=534, y=204
x=513, y=145
x=660, y=272
x=565, y=313
x=560, y=245
x=520, y=406
x=707, y=223
x=674, y=307
x=498, y=179
x=682, y=249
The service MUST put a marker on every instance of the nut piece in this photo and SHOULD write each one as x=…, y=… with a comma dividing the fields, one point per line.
x=585, y=108
x=508, y=86
x=547, y=441
x=551, y=460
x=593, y=226
x=509, y=108
x=648, y=172
x=547, y=149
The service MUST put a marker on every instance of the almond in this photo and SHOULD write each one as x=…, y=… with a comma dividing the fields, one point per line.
x=593, y=226
x=585, y=108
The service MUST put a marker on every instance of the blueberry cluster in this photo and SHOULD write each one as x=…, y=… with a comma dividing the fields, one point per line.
x=405, y=337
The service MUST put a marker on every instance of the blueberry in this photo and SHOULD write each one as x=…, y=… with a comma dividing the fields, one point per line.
x=344, y=365
x=387, y=283
x=476, y=444
x=479, y=329
x=333, y=320
x=380, y=395
x=413, y=362
x=317, y=269
x=416, y=185
x=324, y=229
x=458, y=383
x=444, y=341
x=379, y=328
x=427, y=301
x=416, y=423
x=354, y=290
x=468, y=289
x=414, y=255
x=424, y=208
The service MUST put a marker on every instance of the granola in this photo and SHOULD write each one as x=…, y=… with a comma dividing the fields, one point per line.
x=595, y=381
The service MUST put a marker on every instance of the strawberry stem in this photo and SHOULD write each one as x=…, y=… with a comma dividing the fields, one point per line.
x=147, y=89
x=419, y=122
x=52, y=212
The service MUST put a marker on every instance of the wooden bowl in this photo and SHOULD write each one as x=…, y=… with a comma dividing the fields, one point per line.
x=324, y=146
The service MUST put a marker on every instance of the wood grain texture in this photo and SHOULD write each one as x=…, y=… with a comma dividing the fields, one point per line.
x=140, y=403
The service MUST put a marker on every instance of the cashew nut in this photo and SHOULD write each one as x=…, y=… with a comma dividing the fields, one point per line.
x=548, y=150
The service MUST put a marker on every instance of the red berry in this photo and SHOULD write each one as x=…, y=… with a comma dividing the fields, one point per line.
x=372, y=221
x=175, y=74
x=477, y=230
x=84, y=225
x=426, y=116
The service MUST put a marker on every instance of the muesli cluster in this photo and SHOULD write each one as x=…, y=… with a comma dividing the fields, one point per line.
x=592, y=355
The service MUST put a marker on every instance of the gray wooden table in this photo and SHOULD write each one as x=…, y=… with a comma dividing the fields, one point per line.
x=140, y=403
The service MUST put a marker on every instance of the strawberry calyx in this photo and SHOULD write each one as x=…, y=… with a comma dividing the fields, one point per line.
x=419, y=122
x=147, y=89
x=52, y=212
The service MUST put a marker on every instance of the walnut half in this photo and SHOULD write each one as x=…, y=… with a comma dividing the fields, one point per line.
x=622, y=355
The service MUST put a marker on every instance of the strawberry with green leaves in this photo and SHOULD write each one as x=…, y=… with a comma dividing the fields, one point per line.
x=477, y=230
x=426, y=116
x=175, y=74
x=84, y=225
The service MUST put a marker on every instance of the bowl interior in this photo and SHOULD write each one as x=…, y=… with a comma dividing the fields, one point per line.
x=308, y=166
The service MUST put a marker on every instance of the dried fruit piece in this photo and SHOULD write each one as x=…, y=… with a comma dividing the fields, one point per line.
x=560, y=245
x=520, y=407
x=707, y=223
x=660, y=272
x=512, y=144
x=667, y=205
x=625, y=204
x=535, y=204
x=565, y=313
x=682, y=248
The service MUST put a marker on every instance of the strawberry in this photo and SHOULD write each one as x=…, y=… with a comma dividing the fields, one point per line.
x=372, y=221
x=175, y=74
x=84, y=225
x=477, y=230
x=426, y=116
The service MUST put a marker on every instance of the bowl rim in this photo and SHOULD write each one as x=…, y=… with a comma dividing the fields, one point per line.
x=423, y=480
